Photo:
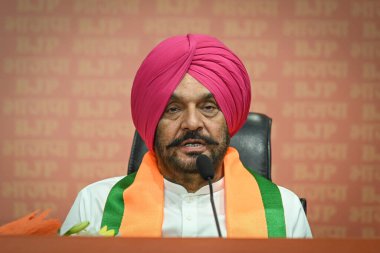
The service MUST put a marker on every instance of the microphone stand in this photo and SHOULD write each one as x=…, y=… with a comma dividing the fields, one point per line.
x=213, y=207
x=205, y=168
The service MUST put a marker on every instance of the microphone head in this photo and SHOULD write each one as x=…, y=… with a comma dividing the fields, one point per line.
x=205, y=167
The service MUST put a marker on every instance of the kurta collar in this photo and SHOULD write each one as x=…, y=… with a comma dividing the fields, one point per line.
x=180, y=190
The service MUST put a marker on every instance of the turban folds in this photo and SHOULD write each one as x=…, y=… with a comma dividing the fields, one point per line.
x=208, y=61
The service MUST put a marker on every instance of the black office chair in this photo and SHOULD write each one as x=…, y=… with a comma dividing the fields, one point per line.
x=252, y=141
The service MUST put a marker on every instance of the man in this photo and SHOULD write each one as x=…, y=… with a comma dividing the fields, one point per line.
x=189, y=96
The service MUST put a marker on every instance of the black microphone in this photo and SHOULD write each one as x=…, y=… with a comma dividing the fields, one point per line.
x=206, y=169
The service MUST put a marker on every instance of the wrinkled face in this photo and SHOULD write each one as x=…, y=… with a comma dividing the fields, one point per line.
x=191, y=124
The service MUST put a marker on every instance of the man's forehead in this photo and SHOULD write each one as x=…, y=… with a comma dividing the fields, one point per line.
x=189, y=87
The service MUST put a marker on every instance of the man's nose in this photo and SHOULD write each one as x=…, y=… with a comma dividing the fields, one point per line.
x=192, y=120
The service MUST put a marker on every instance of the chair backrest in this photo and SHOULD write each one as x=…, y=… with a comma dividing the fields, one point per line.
x=252, y=141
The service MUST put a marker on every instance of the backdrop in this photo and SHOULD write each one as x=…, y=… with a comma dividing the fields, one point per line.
x=66, y=73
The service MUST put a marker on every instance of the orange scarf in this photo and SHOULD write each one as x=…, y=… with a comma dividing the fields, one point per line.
x=143, y=201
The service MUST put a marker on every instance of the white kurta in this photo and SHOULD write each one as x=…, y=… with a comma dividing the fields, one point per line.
x=185, y=214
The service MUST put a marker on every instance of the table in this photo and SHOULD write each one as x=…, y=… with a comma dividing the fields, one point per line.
x=56, y=244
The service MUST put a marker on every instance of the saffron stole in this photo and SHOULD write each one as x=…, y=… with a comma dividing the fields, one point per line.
x=254, y=209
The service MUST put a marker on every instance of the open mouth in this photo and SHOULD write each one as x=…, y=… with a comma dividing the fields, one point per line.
x=193, y=145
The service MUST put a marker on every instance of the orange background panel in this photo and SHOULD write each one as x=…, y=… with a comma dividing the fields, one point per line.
x=67, y=68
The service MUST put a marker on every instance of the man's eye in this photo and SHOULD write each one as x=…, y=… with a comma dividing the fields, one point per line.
x=210, y=109
x=172, y=109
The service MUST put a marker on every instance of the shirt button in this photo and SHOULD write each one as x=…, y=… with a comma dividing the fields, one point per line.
x=188, y=218
x=189, y=199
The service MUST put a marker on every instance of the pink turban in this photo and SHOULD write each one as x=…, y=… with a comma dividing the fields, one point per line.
x=206, y=59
